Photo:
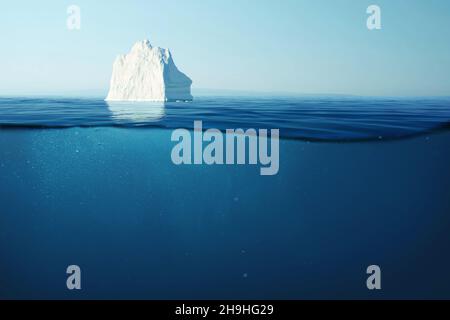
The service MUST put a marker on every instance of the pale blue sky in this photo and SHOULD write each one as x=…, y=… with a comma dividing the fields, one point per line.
x=320, y=46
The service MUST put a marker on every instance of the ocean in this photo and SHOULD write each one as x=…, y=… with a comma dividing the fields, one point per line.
x=361, y=181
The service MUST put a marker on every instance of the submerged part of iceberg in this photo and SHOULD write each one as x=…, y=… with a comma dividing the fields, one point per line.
x=148, y=74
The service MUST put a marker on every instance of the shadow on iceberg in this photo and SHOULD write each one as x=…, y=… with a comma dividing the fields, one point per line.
x=136, y=112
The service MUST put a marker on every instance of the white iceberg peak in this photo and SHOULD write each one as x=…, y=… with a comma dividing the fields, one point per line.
x=148, y=74
x=141, y=46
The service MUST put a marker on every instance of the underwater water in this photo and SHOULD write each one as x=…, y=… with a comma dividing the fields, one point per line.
x=362, y=181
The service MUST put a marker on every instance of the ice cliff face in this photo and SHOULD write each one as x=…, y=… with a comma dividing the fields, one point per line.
x=148, y=74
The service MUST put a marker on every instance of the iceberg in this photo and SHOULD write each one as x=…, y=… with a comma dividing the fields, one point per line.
x=148, y=74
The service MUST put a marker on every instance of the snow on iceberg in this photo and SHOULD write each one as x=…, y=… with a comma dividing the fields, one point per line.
x=148, y=74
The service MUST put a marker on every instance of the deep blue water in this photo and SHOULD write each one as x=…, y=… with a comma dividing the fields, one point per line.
x=84, y=184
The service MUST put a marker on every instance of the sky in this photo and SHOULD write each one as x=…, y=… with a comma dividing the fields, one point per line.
x=295, y=46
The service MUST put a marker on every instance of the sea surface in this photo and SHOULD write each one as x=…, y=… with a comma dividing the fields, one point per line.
x=313, y=118
x=362, y=181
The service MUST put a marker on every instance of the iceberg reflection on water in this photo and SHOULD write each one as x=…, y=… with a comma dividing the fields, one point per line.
x=137, y=111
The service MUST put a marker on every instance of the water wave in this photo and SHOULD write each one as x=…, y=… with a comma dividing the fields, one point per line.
x=314, y=118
